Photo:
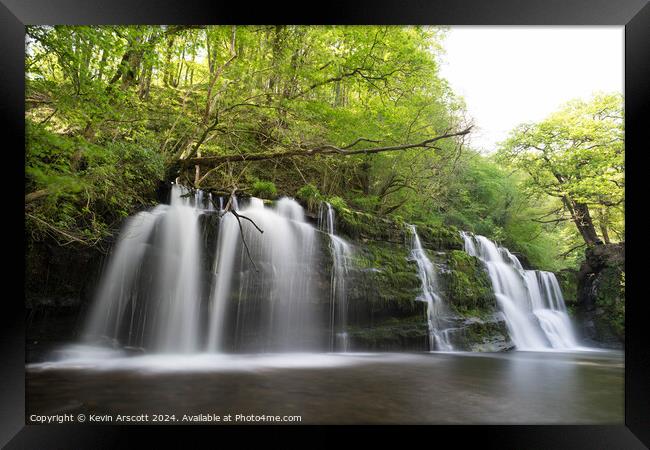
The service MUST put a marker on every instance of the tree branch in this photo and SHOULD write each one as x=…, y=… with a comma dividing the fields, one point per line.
x=229, y=209
x=321, y=150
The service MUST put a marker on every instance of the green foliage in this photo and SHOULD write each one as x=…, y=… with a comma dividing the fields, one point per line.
x=88, y=188
x=307, y=192
x=338, y=204
x=113, y=109
x=223, y=90
x=575, y=156
x=310, y=195
x=264, y=189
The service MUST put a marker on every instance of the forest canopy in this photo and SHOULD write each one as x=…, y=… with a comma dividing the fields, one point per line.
x=356, y=115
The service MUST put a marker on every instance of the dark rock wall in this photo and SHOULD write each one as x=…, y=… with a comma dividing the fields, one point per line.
x=600, y=305
x=383, y=311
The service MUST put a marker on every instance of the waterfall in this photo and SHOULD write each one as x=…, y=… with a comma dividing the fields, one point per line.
x=160, y=292
x=149, y=294
x=438, y=336
x=227, y=245
x=341, y=253
x=273, y=291
x=531, y=300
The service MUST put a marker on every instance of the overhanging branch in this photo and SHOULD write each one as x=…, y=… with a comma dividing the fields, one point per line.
x=321, y=150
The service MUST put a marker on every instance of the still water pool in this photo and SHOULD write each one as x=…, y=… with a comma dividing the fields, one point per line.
x=343, y=388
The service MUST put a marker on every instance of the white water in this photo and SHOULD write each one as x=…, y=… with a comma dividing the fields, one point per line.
x=152, y=296
x=531, y=300
x=83, y=357
x=227, y=246
x=273, y=291
x=149, y=293
x=438, y=337
x=341, y=254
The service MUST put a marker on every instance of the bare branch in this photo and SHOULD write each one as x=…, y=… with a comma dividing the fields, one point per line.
x=321, y=150
x=229, y=209
x=239, y=216
x=357, y=140
x=35, y=195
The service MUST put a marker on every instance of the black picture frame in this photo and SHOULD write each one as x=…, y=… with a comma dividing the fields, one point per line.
x=633, y=14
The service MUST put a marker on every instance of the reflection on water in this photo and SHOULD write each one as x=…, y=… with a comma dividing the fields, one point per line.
x=431, y=388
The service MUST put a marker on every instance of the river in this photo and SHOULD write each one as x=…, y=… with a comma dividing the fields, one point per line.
x=339, y=388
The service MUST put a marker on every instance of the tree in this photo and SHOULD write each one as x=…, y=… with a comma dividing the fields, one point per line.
x=361, y=112
x=575, y=155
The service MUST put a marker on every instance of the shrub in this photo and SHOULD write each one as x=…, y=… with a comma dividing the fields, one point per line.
x=264, y=189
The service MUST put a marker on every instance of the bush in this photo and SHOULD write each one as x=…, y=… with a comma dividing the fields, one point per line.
x=264, y=189
x=310, y=195
x=337, y=203
x=88, y=188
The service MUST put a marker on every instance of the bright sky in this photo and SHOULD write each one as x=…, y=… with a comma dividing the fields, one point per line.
x=510, y=75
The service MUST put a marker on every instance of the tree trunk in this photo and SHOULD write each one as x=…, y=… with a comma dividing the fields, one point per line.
x=582, y=219
x=167, y=73
x=603, y=216
x=605, y=233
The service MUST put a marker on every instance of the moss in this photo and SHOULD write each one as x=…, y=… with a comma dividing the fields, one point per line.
x=360, y=225
x=388, y=272
x=611, y=297
x=364, y=226
x=391, y=333
x=568, y=281
x=467, y=286
x=440, y=237
x=468, y=312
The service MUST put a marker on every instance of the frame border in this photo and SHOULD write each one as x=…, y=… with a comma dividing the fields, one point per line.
x=633, y=14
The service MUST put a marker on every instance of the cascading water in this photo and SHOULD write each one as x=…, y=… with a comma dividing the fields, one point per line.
x=149, y=295
x=531, y=300
x=191, y=276
x=438, y=335
x=159, y=293
x=273, y=292
x=341, y=253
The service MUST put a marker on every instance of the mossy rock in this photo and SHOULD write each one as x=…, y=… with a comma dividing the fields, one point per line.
x=568, y=281
x=364, y=226
x=610, y=296
x=386, y=275
x=601, y=295
x=488, y=333
x=440, y=237
x=409, y=333
x=466, y=284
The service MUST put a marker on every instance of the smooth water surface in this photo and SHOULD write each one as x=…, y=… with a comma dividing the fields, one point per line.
x=338, y=388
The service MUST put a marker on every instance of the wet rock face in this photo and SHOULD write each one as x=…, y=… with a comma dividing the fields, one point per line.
x=465, y=283
x=600, y=307
x=489, y=334
x=384, y=312
x=60, y=277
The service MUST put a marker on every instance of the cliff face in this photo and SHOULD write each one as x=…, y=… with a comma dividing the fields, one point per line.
x=384, y=311
x=600, y=306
